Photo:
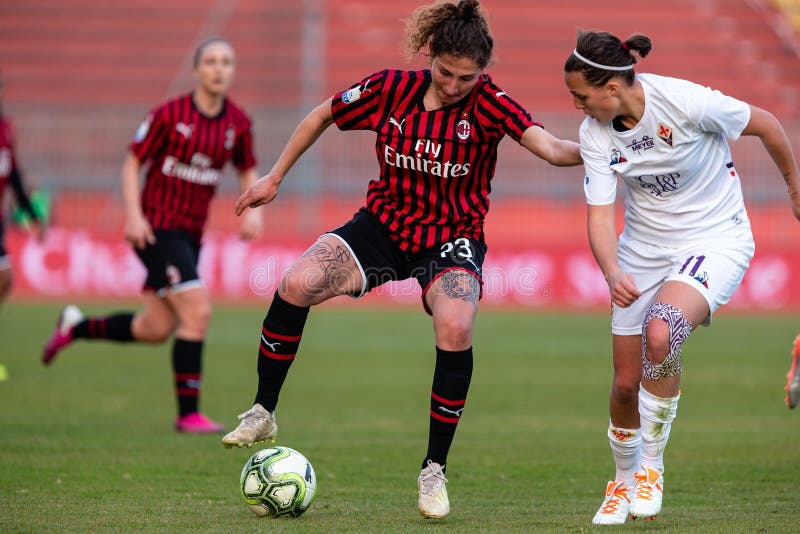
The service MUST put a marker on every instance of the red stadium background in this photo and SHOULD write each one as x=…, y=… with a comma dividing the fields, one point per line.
x=76, y=104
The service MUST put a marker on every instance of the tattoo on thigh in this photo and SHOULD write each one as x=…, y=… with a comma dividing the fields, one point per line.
x=331, y=260
x=461, y=285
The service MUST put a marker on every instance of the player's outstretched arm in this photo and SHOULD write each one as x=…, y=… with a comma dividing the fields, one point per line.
x=266, y=188
x=555, y=151
x=764, y=125
x=603, y=241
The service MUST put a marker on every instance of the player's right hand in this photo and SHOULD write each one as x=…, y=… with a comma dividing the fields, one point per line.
x=623, y=289
x=138, y=232
x=262, y=192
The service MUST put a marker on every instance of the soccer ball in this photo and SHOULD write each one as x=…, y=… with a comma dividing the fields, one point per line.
x=278, y=482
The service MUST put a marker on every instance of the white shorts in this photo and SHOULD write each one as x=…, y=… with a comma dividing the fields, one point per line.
x=714, y=267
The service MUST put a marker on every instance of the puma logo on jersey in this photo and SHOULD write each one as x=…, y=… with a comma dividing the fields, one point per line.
x=184, y=129
x=272, y=346
x=399, y=125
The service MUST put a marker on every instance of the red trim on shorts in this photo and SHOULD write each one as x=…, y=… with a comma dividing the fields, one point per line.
x=425, y=291
x=447, y=401
x=280, y=337
x=189, y=392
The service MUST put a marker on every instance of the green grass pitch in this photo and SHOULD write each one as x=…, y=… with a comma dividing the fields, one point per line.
x=87, y=445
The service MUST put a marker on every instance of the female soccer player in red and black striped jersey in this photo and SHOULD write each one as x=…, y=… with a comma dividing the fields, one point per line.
x=437, y=135
x=187, y=142
x=10, y=174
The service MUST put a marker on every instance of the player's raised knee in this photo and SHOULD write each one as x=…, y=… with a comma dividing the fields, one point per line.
x=657, y=340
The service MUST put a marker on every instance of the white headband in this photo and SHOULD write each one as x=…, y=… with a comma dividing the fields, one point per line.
x=598, y=65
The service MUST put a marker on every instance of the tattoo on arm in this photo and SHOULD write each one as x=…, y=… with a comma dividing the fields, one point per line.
x=461, y=285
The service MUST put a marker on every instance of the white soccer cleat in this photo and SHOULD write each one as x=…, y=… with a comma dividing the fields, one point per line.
x=62, y=336
x=648, y=492
x=614, y=510
x=433, y=501
x=257, y=426
x=793, y=377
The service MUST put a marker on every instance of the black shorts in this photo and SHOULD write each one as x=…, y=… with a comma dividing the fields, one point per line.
x=171, y=262
x=381, y=260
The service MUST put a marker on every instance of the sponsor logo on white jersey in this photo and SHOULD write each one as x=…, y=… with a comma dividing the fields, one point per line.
x=645, y=143
x=199, y=171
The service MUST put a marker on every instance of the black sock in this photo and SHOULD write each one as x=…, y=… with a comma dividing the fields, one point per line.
x=448, y=396
x=186, y=368
x=115, y=327
x=280, y=337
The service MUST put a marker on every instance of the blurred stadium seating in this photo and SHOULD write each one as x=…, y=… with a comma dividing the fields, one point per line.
x=81, y=74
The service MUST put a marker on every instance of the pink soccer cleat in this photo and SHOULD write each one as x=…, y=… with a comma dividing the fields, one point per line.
x=197, y=423
x=70, y=316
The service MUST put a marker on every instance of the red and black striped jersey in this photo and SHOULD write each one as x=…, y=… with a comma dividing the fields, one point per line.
x=187, y=152
x=436, y=166
x=7, y=159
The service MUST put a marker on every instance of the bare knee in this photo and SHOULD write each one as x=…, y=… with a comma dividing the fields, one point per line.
x=301, y=288
x=625, y=391
x=453, y=331
x=657, y=340
x=194, y=320
x=152, y=330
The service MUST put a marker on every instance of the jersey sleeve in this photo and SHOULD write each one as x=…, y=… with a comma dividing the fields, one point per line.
x=150, y=134
x=243, y=157
x=714, y=111
x=503, y=112
x=356, y=108
x=600, y=183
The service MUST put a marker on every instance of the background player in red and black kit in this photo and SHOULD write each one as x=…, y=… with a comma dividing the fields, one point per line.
x=437, y=137
x=187, y=142
x=10, y=175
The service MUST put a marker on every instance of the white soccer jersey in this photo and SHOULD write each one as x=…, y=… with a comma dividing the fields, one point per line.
x=676, y=163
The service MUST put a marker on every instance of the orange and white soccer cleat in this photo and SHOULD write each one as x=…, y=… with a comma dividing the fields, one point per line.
x=648, y=492
x=614, y=510
x=793, y=377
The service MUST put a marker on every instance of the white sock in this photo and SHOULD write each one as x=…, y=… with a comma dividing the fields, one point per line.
x=626, y=446
x=656, y=415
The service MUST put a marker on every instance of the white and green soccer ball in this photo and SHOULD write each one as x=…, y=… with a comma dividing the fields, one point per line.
x=278, y=482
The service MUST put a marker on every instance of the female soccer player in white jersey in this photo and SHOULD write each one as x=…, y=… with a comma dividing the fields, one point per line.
x=686, y=242
x=437, y=132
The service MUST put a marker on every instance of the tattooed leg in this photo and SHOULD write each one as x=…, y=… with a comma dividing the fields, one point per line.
x=327, y=269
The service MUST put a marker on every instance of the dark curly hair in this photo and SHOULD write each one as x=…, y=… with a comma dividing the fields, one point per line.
x=459, y=29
